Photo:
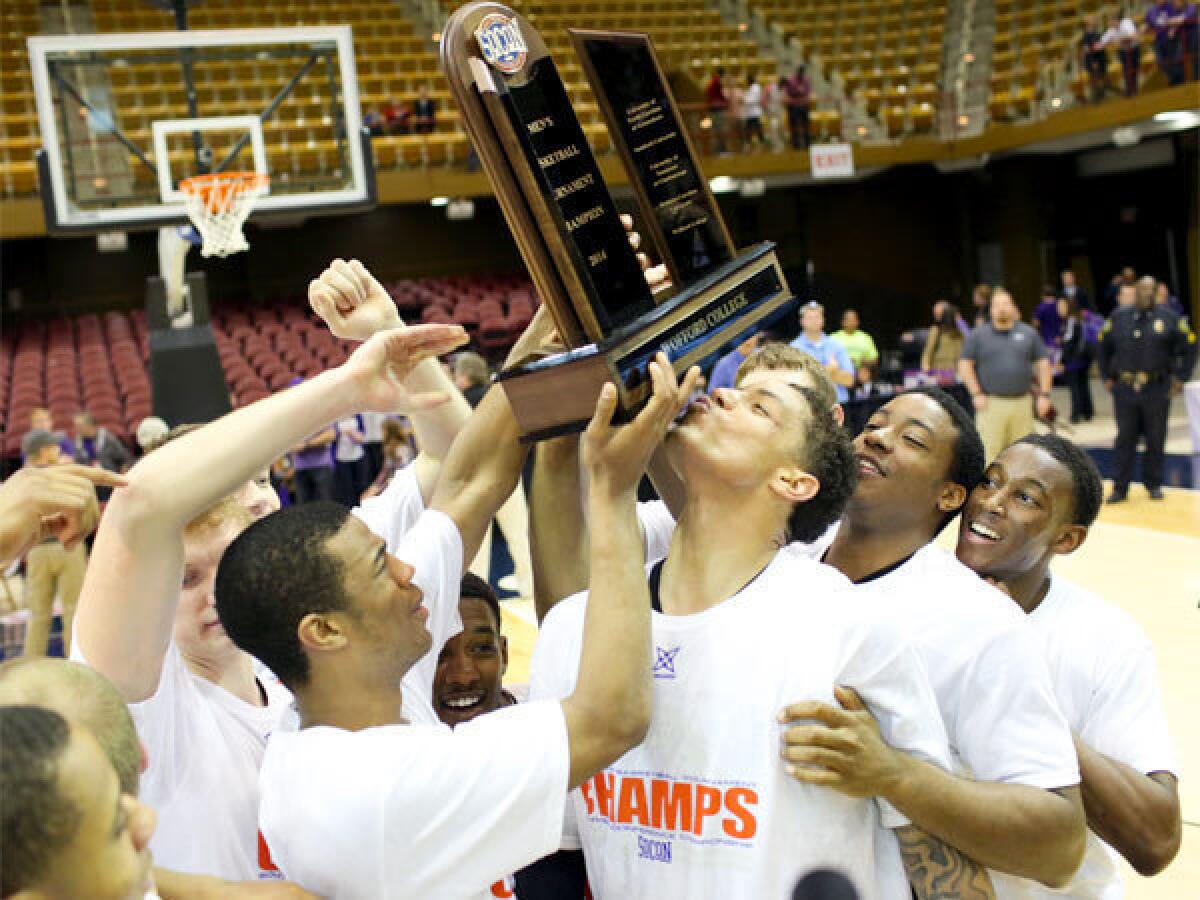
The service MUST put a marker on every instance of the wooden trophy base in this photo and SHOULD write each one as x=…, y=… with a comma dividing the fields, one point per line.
x=557, y=395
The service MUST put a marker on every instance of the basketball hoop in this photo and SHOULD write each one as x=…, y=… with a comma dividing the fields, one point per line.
x=218, y=205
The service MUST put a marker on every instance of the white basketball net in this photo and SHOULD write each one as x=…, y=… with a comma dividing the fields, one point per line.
x=218, y=205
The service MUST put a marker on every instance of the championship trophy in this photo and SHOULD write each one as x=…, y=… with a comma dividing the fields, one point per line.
x=519, y=117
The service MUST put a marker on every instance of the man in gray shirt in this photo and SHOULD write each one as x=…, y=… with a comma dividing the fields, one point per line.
x=1000, y=360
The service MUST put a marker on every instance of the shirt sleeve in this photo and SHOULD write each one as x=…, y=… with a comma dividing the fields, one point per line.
x=657, y=526
x=1010, y=728
x=970, y=348
x=1125, y=719
x=872, y=350
x=888, y=674
x=433, y=547
x=392, y=513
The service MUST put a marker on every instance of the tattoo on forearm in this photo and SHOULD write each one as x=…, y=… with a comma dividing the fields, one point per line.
x=937, y=871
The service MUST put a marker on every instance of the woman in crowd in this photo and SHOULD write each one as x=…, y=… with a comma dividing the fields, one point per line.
x=944, y=344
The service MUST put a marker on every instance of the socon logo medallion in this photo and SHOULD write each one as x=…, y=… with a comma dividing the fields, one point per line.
x=501, y=43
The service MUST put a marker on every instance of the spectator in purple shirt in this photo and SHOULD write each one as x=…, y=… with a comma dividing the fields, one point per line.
x=1167, y=46
x=797, y=97
x=724, y=373
x=1046, y=318
x=312, y=465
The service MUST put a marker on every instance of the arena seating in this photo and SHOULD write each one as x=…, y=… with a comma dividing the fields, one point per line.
x=885, y=52
x=392, y=62
x=689, y=38
x=18, y=121
x=1037, y=44
x=99, y=363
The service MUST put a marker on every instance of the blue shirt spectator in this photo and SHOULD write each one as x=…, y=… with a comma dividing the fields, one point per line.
x=816, y=343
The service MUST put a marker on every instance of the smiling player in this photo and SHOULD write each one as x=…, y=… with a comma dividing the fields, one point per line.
x=1037, y=501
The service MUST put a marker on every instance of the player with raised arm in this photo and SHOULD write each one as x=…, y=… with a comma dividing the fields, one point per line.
x=147, y=620
x=373, y=797
x=1036, y=502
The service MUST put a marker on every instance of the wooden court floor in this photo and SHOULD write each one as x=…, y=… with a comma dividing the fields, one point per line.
x=1143, y=556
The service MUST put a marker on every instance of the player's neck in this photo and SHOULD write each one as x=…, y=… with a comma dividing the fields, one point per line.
x=717, y=548
x=234, y=674
x=350, y=708
x=1029, y=588
x=863, y=546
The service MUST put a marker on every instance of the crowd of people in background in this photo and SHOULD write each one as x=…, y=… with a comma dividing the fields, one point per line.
x=1175, y=26
x=398, y=117
x=752, y=115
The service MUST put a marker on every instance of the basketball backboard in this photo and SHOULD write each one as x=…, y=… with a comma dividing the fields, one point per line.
x=124, y=118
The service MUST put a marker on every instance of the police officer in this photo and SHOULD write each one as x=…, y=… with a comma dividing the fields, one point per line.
x=1147, y=352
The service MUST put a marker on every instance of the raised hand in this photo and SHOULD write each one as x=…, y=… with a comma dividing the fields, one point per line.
x=377, y=370
x=617, y=455
x=51, y=502
x=539, y=339
x=351, y=302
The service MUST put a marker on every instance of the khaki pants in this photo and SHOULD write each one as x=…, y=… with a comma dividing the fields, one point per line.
x=52, y=570
x=1002, y=421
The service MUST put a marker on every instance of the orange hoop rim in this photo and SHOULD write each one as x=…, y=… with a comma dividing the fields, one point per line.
x=216, y=189
x=199, y=184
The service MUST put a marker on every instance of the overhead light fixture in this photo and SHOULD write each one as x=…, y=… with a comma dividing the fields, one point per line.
x=439, y=201
x=723, y=184
x=964, y=121
x=1180, y=118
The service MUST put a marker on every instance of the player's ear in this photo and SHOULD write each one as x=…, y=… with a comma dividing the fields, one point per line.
x=793, y=484
x=321, y=632
x=503, y=654
x=1069, y=538
x=952, y=497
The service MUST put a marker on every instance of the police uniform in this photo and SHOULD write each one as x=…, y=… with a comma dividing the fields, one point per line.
x=1141, y=352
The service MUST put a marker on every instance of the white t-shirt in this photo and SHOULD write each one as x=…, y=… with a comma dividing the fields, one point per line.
x=416, y=810
x=703, y=807
x=1106, y=683
x=203, y=747
x=346, y=449
x=986, y=666
x=1124, y=31
x=752, y=99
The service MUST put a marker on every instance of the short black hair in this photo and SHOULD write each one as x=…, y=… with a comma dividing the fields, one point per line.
x=474, y=586
x=1087, y=487
x=968, y=461
x=36, y=821
x=828, y=457
x=275, y=573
